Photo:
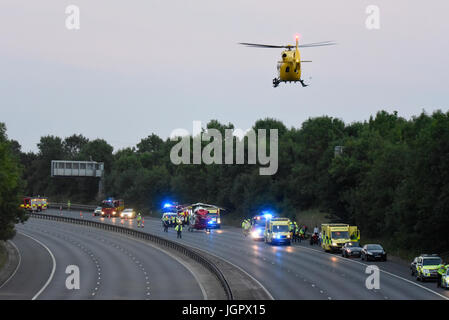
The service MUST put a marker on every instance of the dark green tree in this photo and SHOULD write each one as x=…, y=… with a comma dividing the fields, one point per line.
x=10, y=186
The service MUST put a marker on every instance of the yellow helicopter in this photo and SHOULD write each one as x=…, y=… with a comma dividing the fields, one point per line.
x=289, y=68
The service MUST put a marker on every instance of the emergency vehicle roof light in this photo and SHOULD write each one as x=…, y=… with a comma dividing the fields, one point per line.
x=267, y=215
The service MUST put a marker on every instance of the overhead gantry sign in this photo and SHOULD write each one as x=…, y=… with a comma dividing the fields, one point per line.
x=65, y=168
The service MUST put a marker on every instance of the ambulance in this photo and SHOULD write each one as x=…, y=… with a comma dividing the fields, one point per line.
x=277, y=232
x=335, y=235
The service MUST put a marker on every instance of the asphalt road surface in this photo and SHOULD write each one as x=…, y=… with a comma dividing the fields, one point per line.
x=299, y=271
x=111, y=266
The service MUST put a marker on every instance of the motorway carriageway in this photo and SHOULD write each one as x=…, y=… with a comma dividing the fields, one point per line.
x=112, y=266
x=299, y=271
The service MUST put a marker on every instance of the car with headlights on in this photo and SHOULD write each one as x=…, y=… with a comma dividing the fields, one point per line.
x=214, y=220
x=257, y=228
x=97, y=211
x=351, y=249
x=128, y=214
x=373, y=252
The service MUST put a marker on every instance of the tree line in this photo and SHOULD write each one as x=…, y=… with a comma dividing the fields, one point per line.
x=389, y=176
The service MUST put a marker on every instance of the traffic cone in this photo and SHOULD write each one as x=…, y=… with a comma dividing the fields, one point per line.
x=143, y=222
x=81, y=214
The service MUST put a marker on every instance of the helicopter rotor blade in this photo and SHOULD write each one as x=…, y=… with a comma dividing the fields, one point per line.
x=289, y=46
x=317, y=44
x=257, y=45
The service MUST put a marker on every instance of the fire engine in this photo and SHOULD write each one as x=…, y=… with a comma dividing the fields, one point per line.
x=34, y=204
x=112, y=207
x=213, y=214
x=198, y=220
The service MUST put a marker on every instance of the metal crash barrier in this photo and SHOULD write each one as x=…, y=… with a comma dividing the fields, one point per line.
x=73, y=206
x=149, y=237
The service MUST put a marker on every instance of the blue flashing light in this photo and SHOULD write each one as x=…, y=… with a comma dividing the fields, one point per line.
x=167, y=205
x=268, y=215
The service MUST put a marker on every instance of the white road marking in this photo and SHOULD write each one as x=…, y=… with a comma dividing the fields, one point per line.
x=386, y=272
x=270, y=297
x=52, y=271
x=202, y=289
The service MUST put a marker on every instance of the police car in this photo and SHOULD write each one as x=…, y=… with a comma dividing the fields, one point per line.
x=425, y=267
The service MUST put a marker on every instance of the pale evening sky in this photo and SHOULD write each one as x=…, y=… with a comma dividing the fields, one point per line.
x=143, y=66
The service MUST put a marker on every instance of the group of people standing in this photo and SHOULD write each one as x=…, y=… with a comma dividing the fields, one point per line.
x=174, y=221
x=297, y=233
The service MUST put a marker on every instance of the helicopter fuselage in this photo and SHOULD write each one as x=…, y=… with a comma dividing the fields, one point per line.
x=289, y=68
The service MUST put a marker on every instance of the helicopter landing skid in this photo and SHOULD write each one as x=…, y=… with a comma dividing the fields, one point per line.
x=276, y=82
x=303, y=84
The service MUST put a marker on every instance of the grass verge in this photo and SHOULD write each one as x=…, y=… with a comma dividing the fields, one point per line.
x=312, y=218
x=3, y=255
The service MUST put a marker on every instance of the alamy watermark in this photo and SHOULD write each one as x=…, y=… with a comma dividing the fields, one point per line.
x=72, y=282
x=72, y=21
x=373, y=280
x=212, y=153
x=372, y=22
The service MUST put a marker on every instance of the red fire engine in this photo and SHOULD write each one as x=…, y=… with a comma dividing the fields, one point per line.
x=112, y=207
